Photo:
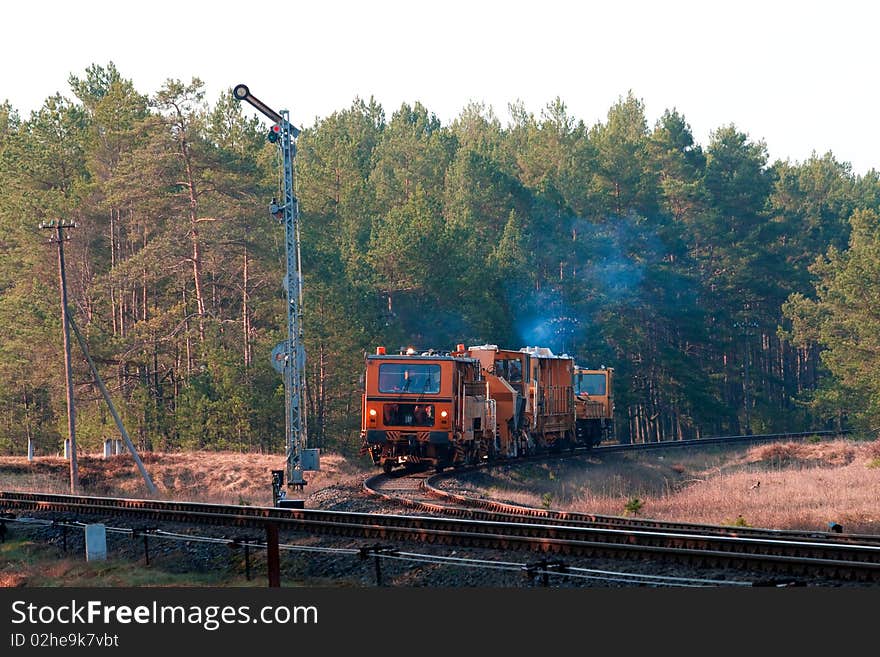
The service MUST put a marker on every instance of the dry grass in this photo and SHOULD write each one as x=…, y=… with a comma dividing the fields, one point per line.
x=796, y=485
x=219, y=477
x=27, y=563
x=781, y=485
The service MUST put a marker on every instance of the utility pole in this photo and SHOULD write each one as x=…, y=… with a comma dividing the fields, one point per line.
x=289, y=357
x=58, y=225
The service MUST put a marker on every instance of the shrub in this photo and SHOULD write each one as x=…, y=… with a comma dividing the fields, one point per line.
x=633, y=506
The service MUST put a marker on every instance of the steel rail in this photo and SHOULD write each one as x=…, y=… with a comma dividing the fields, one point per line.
x=420, y=491
x=456, y=503
x=863, y=561
x=632, y=578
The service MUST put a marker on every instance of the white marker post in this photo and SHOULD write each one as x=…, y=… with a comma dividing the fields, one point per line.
x=96, y=542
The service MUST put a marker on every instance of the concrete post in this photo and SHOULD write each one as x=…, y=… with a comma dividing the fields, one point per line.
x=30, y=449
x=108, y=448
x=67, y=448
x=96, y=542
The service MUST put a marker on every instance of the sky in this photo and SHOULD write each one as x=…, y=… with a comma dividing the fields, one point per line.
x=801, y=76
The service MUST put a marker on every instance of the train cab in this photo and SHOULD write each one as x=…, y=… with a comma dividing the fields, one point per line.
x=594, y=402
x=424, y=408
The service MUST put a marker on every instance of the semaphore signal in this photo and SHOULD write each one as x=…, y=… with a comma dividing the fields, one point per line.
x=289, y=357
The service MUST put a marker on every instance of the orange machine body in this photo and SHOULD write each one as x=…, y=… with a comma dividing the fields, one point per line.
x=594, y=404
x=479, y=403
x=532, y=388
x=425, y=408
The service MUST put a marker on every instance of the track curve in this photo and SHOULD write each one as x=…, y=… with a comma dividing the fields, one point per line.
x=421, y=491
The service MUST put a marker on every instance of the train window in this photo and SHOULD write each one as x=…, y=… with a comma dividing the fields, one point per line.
x=509, y=369
x=408, y=415
x=418, y=378
x=590, y=384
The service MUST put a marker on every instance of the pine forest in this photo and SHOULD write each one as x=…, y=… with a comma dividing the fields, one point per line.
x=730, y=294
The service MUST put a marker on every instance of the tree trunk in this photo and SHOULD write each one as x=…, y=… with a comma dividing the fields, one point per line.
x=112, y=270
x=194, y=233
x=245, y=316
x=144, y=280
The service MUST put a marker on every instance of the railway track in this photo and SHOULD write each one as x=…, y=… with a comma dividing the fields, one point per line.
x=723, y=440
x=793, y=557
x=421, y=491
x=484, y=524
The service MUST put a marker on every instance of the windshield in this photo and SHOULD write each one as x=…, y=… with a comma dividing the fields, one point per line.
x=591, y=384
x=418, y=378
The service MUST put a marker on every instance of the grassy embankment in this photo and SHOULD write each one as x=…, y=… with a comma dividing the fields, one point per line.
x=219, y=477
x=794, y=485
x=24, y=562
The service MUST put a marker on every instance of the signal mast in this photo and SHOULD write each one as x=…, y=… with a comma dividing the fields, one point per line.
x=288, y=357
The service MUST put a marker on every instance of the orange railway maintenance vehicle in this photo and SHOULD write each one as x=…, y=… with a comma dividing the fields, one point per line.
x=443, y=409
x=425, y=408
x=532, y=389
x=594, y=405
